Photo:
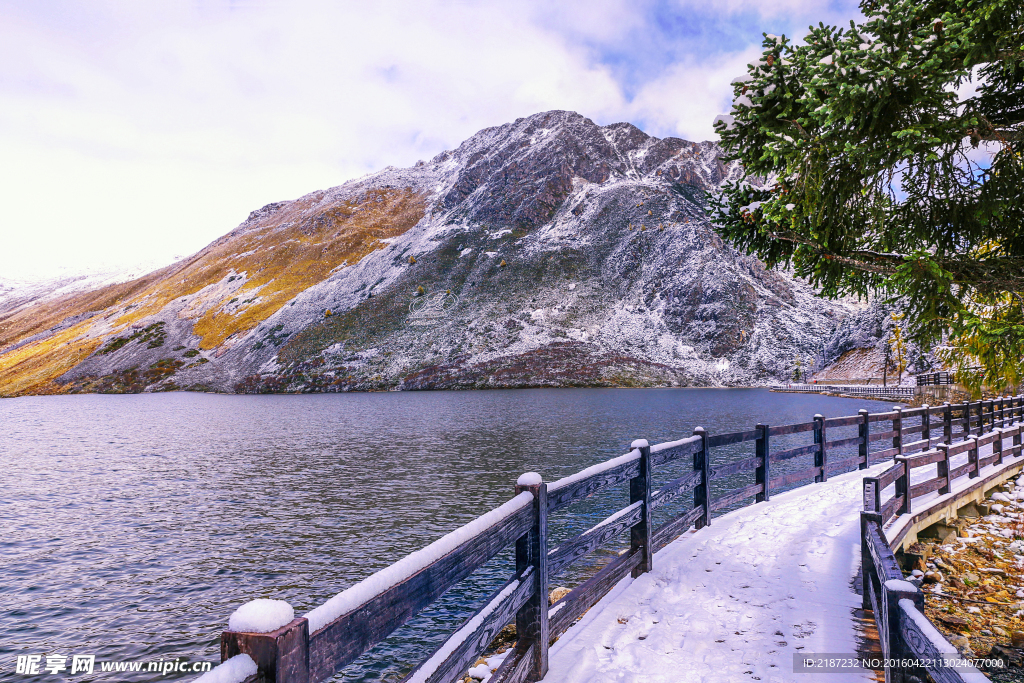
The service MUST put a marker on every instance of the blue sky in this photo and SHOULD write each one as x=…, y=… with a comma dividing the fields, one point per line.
x=133, y=133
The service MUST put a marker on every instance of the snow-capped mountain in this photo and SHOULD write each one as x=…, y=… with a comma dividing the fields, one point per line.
x=545, y=252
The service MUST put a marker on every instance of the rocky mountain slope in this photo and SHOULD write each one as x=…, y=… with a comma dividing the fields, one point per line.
x=546, y=252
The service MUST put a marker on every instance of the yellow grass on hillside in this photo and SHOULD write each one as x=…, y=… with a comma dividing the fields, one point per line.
x=33, y=367
x=39, y=317
x=282, y=261
x=282, y=254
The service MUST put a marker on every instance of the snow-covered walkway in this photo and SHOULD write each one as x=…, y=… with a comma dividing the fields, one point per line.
x=734, y=601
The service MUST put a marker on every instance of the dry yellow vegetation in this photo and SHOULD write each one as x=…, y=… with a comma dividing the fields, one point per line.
x=33, y=367
x=293, y=248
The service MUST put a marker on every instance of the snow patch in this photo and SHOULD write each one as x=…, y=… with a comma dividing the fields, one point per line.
x=529, y=479
x=261, y=616
x=234, y=670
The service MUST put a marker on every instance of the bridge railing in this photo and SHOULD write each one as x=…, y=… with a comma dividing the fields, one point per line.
x=898, y=605
x=314, y=647
x=896, y=393
x=943, y=377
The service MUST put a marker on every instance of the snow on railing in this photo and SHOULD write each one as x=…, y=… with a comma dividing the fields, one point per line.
x=904, y=630
x=328, y=638
x=375, y=584
x=897, y=391
x=234, y=670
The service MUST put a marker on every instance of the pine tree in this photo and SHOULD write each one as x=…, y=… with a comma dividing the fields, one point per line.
x=868, y=173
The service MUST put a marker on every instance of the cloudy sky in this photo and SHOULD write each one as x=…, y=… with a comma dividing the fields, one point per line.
x=136, y=132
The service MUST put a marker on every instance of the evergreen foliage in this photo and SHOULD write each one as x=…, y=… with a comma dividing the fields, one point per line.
x=888, y=158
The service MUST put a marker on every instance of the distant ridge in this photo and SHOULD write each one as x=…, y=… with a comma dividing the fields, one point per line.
x=549, y=251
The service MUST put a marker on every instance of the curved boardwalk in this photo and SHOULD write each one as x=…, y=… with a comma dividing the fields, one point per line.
x=735, y=601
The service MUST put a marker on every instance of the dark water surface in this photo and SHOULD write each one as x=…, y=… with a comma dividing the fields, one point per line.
x=132, y=526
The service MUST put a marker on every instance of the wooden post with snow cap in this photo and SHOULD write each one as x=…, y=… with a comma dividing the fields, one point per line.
x=869, y=575
x=897, y=426
x=820, y=456
x=1017, y=419
x=864, y=434
x=997, y=445
x=702, y=493
x=268, y=631
x=926, y=426
x=897, y=652
x=532, y=551
x=943, y=468
x=903, y=485
x=640, y=492
x=762, y=475
x=947, y=423
x=972, y=457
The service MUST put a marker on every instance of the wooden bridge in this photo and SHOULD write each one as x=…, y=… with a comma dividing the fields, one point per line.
x=314, y=647
x=897, y=504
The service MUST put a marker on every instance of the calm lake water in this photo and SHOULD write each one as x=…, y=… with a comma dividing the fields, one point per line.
x=132, y=526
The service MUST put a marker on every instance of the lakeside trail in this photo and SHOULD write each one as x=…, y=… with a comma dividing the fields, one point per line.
x=735, y=601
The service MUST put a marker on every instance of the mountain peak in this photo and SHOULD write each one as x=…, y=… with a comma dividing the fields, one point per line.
x=543, y=252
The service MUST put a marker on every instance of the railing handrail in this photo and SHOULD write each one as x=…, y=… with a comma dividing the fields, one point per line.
x=904, y=629
x=314, y=647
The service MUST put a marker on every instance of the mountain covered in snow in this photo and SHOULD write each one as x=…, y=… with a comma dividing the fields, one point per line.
x=545, y=252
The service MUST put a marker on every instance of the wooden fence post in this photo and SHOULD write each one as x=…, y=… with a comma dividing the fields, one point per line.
x=942, y=467
x=640, y=492
x=967, y=418
x=762, y=475
x=702, y=493
x=947, y=422
x=281, y=656
x=1016, y=437
x=532, y=551
x=972, y=457
x=863, y=433
x=898, y=652
x=897, y=426
x=820, y=456
x=903, y=485
x=872, y=495
x=926, y=426
x=1002, y=411
x=997, y=446
x=867, y=565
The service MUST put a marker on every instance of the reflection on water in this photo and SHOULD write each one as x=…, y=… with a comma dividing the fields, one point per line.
x=134, y=525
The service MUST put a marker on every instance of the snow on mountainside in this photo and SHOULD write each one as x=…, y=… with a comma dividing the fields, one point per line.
x=546, y=252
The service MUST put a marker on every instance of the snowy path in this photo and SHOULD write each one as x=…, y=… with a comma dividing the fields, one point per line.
x=735, y=601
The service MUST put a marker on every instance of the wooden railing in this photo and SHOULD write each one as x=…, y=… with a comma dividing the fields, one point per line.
x=898, y=606
x=896, y=393
x=314, y=647
x=934, y=378
x=943, y=377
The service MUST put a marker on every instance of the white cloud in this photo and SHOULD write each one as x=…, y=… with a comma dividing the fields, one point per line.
x=687, y=97
x=134, y=131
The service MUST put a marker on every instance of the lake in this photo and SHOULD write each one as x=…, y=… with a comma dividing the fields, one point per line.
x=133, y=525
